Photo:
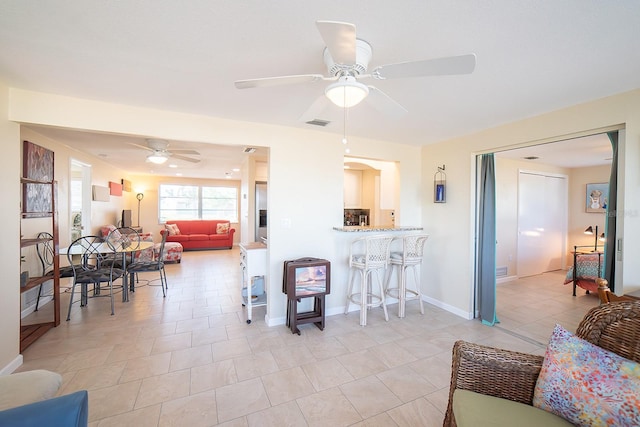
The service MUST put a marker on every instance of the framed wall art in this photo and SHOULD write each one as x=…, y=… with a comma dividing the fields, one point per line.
x=115, y=189
x=37, y=169
x=597, y=197
x=126, y=185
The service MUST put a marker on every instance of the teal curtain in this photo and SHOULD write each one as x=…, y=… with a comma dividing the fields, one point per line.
x=610, y=224
x=487, y=241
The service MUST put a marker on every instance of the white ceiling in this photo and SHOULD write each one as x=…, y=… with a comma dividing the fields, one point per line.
x=591, y=150
x=532, y=57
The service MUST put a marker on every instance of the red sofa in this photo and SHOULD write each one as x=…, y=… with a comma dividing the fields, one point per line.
x=200, y=234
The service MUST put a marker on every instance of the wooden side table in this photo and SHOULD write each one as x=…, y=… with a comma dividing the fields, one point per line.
x=306, y=278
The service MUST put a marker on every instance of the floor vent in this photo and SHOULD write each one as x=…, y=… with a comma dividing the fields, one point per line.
x=318, y=122
x=501, y=271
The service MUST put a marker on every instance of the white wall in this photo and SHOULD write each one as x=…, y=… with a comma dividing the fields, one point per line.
x=450, y=252
x=10, y=173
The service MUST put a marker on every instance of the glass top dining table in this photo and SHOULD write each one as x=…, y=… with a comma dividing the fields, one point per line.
x=105, y=248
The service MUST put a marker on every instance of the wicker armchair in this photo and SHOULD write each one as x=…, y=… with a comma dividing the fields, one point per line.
x=513, y=375
x=606, y=296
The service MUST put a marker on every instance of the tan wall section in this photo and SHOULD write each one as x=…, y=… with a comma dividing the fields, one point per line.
x=10, y=252
x=450, y=257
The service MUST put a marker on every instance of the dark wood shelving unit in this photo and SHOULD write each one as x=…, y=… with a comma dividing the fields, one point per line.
x=29, y=333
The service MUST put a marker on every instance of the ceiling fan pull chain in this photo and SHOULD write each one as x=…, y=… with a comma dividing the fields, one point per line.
x=344, y=125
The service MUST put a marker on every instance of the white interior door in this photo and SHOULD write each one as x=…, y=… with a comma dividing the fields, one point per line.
x=542, y=223
x=556, y=217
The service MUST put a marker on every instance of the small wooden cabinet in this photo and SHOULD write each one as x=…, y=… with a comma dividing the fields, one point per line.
x=30, y=332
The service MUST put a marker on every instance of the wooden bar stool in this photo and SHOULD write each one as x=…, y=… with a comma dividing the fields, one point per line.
x=410, y=257
x=368, y=255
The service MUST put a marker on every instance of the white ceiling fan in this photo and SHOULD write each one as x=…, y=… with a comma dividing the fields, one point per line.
x=160, y=152
x=347, y=60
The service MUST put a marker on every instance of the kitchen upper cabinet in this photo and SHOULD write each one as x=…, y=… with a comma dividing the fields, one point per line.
x=352, y=189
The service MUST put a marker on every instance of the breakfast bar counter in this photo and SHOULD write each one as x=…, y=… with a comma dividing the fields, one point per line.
x=375, y=228
x=344, y=237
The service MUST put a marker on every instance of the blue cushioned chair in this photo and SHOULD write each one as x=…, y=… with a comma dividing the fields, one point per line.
x=71, y=410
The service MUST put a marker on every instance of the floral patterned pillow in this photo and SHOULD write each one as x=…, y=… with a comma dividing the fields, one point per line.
x=222, y=228
x=172, y=229
x=587, y=385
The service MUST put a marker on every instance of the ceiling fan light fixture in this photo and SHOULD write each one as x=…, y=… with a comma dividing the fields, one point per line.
x=346, y=92
x=157, y=158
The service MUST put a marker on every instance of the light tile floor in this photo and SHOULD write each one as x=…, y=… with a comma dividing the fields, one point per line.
x=191, y=360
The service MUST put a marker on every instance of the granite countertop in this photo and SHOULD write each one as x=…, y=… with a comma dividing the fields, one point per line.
x=376, y=228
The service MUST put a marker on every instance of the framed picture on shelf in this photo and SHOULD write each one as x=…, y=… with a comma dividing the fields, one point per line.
x=597, y=197
x=37, y=165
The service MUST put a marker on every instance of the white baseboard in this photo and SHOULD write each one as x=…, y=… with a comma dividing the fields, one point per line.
x=12, y=366
x=31, y=308
x=274, y=322
x=506, y=279
x=451, y=309
x=353, y=307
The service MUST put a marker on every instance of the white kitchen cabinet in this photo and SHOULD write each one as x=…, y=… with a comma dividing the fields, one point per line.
x=352, y=189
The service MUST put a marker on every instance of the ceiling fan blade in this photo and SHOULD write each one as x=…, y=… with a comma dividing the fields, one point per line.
x=144, y=147
x=384, y=104
x=464, y=64
x=278, y=81
x=187, y=159
x=340, y=38
x=190, y=152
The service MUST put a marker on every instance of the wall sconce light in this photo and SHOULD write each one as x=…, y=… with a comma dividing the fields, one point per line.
x=439, y=186
x=601, y=237
x=139, y=196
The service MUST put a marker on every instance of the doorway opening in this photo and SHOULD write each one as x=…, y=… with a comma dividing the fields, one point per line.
x=582, y=160
x=79, y=198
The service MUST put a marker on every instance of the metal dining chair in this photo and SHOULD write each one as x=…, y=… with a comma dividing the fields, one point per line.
x=44, y=249
x=96, y=266
x=123, y=237
x=142, y=266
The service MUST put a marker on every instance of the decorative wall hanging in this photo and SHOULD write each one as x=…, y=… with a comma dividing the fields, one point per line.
x=439, y=186
x=37, y=165
x=126, y=185
x=597, y=197
x=100, y=194
x=115, y=189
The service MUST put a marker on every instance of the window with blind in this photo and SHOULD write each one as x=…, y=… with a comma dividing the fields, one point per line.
x=182, y=202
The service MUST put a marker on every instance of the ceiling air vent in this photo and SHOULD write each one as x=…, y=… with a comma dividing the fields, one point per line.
x=248, y=150
x=318, y=122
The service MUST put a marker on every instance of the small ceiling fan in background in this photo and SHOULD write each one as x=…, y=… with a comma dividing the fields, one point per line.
x=160, y=152
x=347, y=60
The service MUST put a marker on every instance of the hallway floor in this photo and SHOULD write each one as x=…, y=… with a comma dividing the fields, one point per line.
x=190, y=359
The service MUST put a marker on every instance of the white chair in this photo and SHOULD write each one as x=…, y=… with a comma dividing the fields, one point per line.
x=410, y=257
x=368, y=255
